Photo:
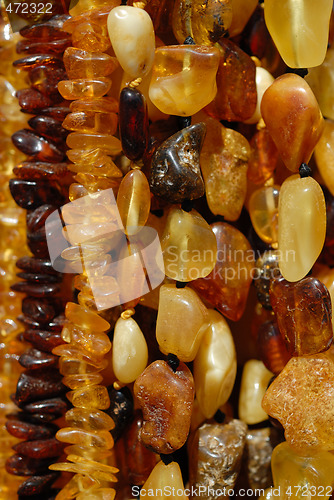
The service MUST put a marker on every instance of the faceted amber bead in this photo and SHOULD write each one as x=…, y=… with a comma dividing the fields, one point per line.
x=99, y=123
x=255, y=378
x=301, y=398
x=321, y=79
x=241, y=12
x=227, y=286
x=305, y=26
x=184, y=78
x=293, y=119
x=236, y=87
x=164, y=478
x=83, y=64
x=180, y=309
x=134, y=201
x=271, y=346
x=263, y=211
x=324, y=155
x=84, y=88
x=215, y=365
x=175, y=171
x=301, y=226
x=263, y=158
x=166, y=399
x=133, y=123
x=189, y=246
x=204, y=22
x=132, y=37
x=304, y=314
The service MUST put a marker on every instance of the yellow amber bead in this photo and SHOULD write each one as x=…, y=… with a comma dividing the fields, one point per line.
x=111, y=145
x=102, y=105
x=95, y=123
x=84, y=88
x=83, y=64
x=89, y=420
x=263, y=211
x=255, y=378
x=301, y=226
x=71, y=366
x=324, y=155
x=166, y=479
x=78, y=381
x=74, y=486
x=241, y=12
x=215, y=365
x=321, y=81
x=180, y=309
x=189, y=246
x=96, y=342
x=94, y=396
x=98, y=439
x=134, y=201
x=85, y=319
x=299, y=30
x=184, y=78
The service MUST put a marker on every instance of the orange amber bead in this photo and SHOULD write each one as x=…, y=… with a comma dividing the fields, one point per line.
x=272, y=348
x=83, y=64
x=84, y=88
x=263, y=158
x=98, y=123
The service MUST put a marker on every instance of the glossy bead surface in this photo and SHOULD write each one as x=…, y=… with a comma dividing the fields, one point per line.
x=162, y=478
x=133, y=123
x=266, y=268
x=134, y=201
x=84, y=88
x=263, y=210
x=255, y=378
x=324, y=155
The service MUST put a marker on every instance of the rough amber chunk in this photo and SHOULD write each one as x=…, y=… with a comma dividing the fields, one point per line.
x=255, y=378
x=301, y=226
x=227, y=286
x=184, y=78
x=305, y=26
x=204, y=22
x=324, y=155
x=293, y=119
x=302, y=399
x=241, y=12
x=166, y=398
x=321, y=79
x=161, y=479
x=263, y=158
x=236, y=87
x=263, y=211
x=84, y=88
x=83, y=64
x=304, y=314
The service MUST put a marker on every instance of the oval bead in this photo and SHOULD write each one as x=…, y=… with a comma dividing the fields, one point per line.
x=215, y=365
x=299, y=30
x=162, y=478
x=293, y=118
x=129, y=354
x=324, y=155
x=263, y=211
x=134, y=201
x=133, y=123
x=131, y=34
x=301, y=226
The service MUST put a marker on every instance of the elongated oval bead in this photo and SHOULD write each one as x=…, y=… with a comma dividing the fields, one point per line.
x=129, y=354
x=132, y=37
x=83, y=64
x=133, y=123
x=301, y=226
x=166, y=399
x=215, y=365
x=255, y=378
x=293, y=119
x=134, y=201
x=241, y=12
x=184, y=78
x=189, y=246
x=304, y=315
x=271, y=346
x=263, y=211
x=180, y=309
x=299, y=30
x=161, y=479
x=324, y=155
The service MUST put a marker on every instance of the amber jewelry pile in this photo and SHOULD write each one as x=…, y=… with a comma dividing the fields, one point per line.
x=197, y=337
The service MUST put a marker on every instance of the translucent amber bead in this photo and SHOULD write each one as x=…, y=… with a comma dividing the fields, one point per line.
x=133, y=123
x=129, y=354
x=99, y=439
x=84, y=318
x=102, y=105
x=293, y=119
x=88, y=420
x=184, y=78
x=166, y=399
x=255, y=378
x=305, y=25
x=321, y=80
x=263, y=158
x=84, y=88
x=180, y=309
x=164, y=478
x=134, y=201
x=304, y=315
x=326, y=276
x=204, y=22
x=324, y=155
x=301, y=226
x=99, y=123
x=215, y=365
x=263, y=211
x=271, y=346
x=132, y=37
x=189, y=246
x=241, y=12
x=111, y=145
x=83, y=64
x=94, y=396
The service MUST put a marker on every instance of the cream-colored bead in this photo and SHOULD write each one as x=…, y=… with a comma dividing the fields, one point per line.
x=129, y=354
x=164, y=482
x=132, y=37
x=263, y=80
x=255, y=378
x=215, y=365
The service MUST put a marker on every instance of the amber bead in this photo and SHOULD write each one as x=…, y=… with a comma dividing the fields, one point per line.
x=167, y=479
x=33, y=265
x=47, y=409
x=33, y=47
x=227, y=286
x=35, y=60
x=259, y=447
x=263, y=158
x=48, y=127
x=37, y=485
x=100, y=123
x=175, y=171
x=84, y=88
x=110, y=144
x=102, y=105
x=29, y=431
x=271, y=346
x=236, y=87
x=25, y=466
x=254, y=381
x=166, y=399
x=49, y=30
x=133, y=123
x=293, y=119
x=45, y=80
x=83, y=64
x=320, y=79
x=304, y=314
x=31, y=194
x=324, y=155
x=33, y=144
x=45, y=448
x=43, y=340
x=35, y=359
x=263, y=211
x=59, y=112
x=32, y=101
x=35, y=384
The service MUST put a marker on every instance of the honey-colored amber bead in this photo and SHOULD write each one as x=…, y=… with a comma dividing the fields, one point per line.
x=129, y=354
x=84, y=88
x=227, y=286
x=184, y=78
x=302, y=399
x=78, y=381
x=324, y=155
x=304, y=315
x=241, y=12
x=132, y=37
x=88, y=420
x=134, y=201
x=272, y=348
x=263, y=80
x=83, y=7
x=180, y=309
x=293, y=118
x=255, y=378
x=204, y=22
x=94, y=341
x=215, y=454
x=99, y=439
x=164, y=478
x=111, y=145
x=215, y=365
x=99, y=123
x=301, y=226
x=236, y=87
x=84, y=318
x=263, y=211
x=189, y=246
x=83, y=64
x=95, y=396
x=102, y=105
x=263, y=158
x=305, y=26
x=166, y=399
x=321, y=80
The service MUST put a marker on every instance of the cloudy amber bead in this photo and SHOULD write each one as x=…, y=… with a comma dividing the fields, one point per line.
x=84, y=88
x=83, y=64
x=263, y=211
x=301, y=226
x=167, y=479
x=184, y=78
x=99, y=123
x=324, y=155
x=321, y=80
x=134, y=201
x=241, y=12
x=255, y=378
x=299, y=30
x=293, y=118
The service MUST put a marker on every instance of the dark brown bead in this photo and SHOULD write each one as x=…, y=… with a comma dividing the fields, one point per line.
x=46, y=79
x=34, y=359
x=29, y=431
x=24, y=466
x=33, y=265
x=36, y=218
x=133, y=123
x=48, y=127
x=45, y=448
x=35, y=289
x=50, y=30
x=53, y=407
x=38, y=309
x=37, y=485
x=41, y=170
x=32, y=61
x=271, y=346
x=51, y=47
x=33, y=144
x=57, y=112
x=34, y=385
x=32, y=194
x=32, y=101
x=39, y=278
x=56, y=325
x=42, y=339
